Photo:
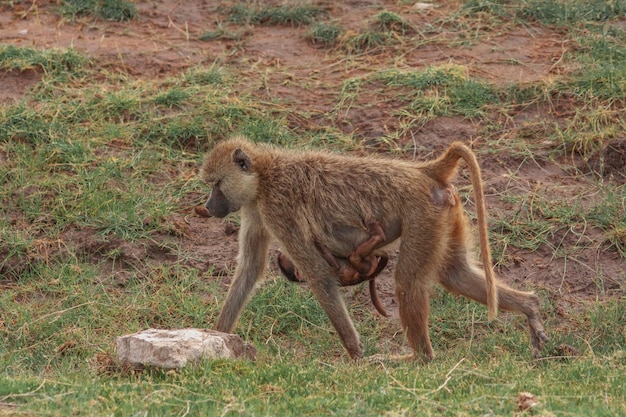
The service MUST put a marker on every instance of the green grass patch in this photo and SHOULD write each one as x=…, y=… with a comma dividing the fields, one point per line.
x=392, y=22
x=287, y=15
x=566, y=12
x=173, y=97
x=61, y=322
x=325, y=34
x=551, y=12
x=432, y=92
x=539, y=219
x=366, y=41
x=610, y=215
x=65, y=63
x=386, y=29
x=602, y=56
x=117, y=10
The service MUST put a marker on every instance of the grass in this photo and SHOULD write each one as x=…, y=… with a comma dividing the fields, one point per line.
x=52, y=62
x=392, y=22
x=326, y=34
x=116, y=10
x=429, y=93
x=385, y=30
x=58, y=359
x=287, y=15
x=98, y=167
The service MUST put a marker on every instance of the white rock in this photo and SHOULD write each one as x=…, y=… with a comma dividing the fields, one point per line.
x=423, y=6
x=174, y=348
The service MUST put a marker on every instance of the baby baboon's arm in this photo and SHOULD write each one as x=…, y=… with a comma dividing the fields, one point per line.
x=361, y=258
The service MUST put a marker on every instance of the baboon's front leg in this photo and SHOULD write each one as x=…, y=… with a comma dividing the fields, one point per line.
x=253, y=251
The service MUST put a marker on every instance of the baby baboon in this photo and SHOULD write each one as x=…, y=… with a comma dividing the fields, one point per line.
x=346, y=274
x=308, y=200
x=361, y=258
x=360, y=266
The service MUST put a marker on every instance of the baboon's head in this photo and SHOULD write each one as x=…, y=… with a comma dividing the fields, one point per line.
x=229, y=169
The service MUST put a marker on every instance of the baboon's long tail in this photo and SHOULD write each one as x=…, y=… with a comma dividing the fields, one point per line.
x=446, y=165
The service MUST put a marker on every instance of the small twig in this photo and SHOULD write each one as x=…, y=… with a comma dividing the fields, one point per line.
x=30, y=9
x=587, y=343
x=448, y=378
x=558, y=61
x=26, y=394
x=53, y=313
x=545, y=358
x=187, y=410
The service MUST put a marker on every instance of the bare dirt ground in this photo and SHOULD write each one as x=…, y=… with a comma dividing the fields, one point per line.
x=278, y=63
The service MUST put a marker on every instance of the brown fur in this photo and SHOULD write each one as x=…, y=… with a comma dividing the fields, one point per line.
x=304, y=199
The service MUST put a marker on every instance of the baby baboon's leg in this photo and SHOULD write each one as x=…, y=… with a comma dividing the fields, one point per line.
x=465, y=279
x=361, y=258
x=347, y=275
x=381, y=264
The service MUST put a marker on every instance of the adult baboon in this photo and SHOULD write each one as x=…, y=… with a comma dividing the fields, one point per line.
x=308, y=200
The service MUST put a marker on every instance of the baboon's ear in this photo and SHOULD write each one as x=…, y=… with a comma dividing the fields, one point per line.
x=241, y=159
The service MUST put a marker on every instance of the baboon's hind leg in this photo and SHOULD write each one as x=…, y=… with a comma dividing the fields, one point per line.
x=414, y=309
x=413, y=295
x=329, y=297
x=463, y=278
